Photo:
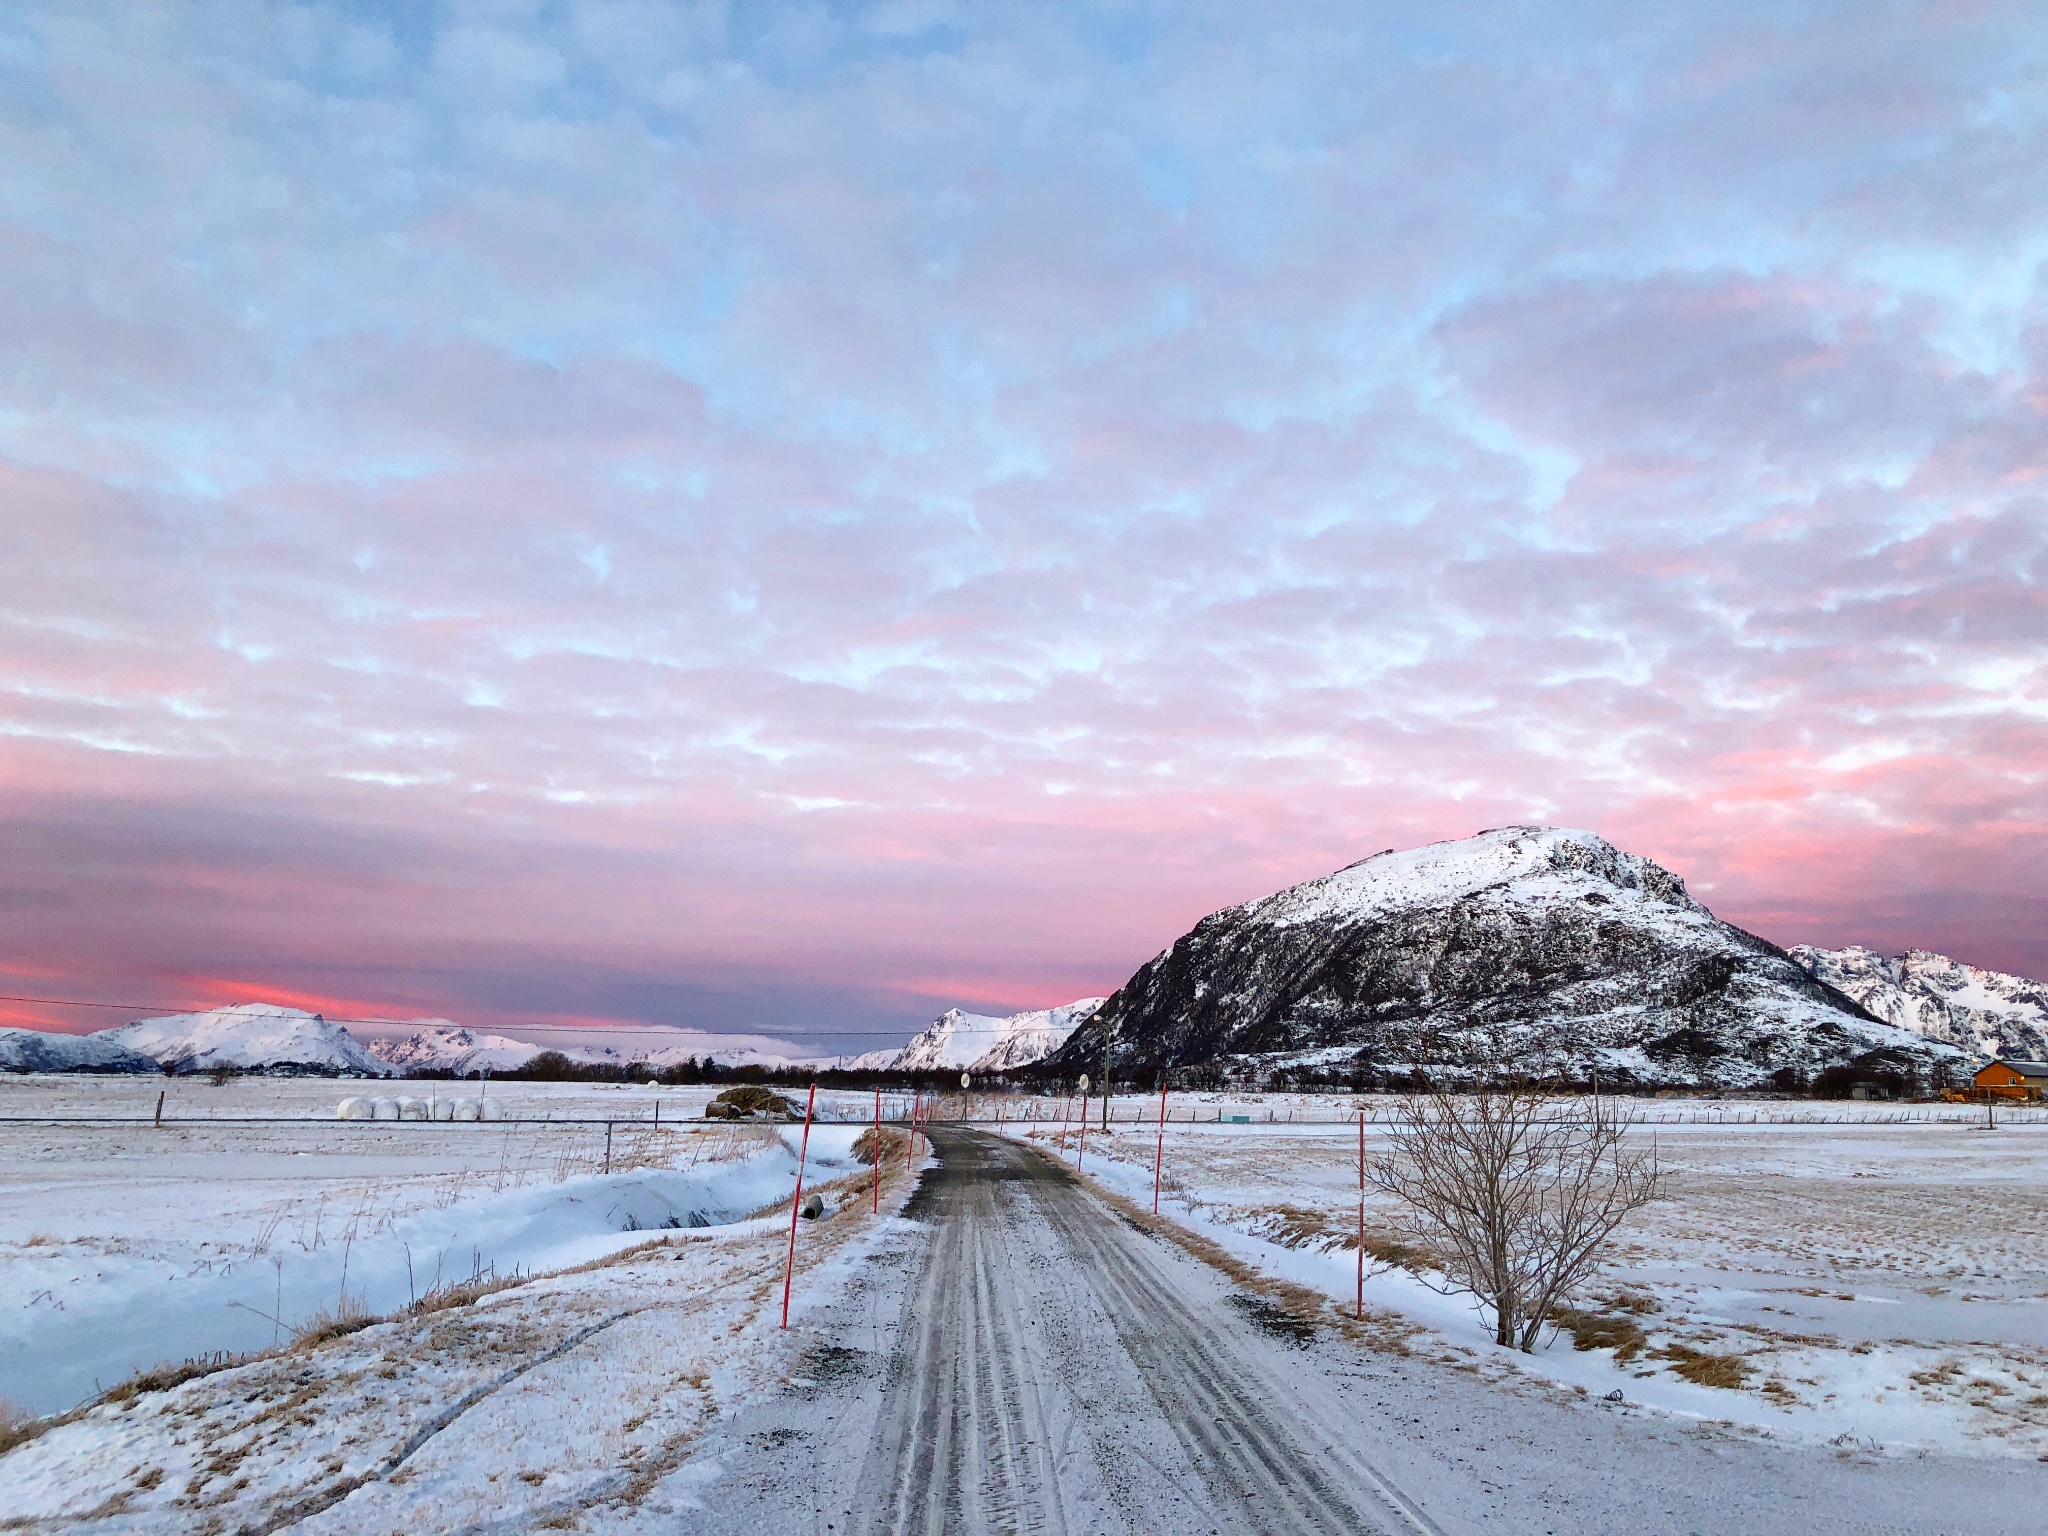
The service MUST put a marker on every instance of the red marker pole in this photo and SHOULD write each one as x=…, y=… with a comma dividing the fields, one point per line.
x=1159, y=1154
x=796, y=1203
x=1361, y=1216
x=878, y=1152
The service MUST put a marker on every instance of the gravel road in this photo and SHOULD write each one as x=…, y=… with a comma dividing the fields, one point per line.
x=1021, y=1358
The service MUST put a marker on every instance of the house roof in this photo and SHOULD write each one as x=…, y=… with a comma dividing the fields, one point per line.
x=2024, y=1068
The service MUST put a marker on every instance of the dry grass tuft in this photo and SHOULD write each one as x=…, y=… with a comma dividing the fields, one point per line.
x=17, y=1425
x=347, y=1316
x=460, y=1293
x=1603, y=1330
x=1729, y=1371
x=891, y=1143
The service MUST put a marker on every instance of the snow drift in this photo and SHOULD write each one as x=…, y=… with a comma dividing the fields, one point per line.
x=1529, y=941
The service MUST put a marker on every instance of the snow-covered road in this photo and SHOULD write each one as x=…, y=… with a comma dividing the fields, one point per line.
x=1037, y=1357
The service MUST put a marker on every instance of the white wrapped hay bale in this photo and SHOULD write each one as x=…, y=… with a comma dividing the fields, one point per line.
x=383, y=1109
x=412, y=1109
x=443, y=1109
x=492, y=1109
x=463, y=1109
x=353, y=1108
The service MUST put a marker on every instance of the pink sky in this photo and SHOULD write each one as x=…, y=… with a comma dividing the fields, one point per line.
x=785, y=520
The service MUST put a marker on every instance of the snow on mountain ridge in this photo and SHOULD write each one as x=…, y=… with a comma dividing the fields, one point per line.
x=250, y=1037
x=1987, y=1013
x=1529, y=862
x=976, y=1042
x=1546, y=945
x=35, y=1050
x=444, y=1046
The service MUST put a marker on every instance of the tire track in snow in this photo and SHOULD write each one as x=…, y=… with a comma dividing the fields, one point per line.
x=964, y=1440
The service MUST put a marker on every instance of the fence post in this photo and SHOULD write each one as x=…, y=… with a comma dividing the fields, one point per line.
x=878, y=1152
x=1361, y=1217
x=607, y=1148
x=796, y=1202
x=159, y=1109
x=1159, y=1154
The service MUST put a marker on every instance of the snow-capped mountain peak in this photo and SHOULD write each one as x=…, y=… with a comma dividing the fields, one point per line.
x=444, y=1046
x=1532, y=864
x=1544, y=945
x=977, y=1042
x=1988, y=1013
x=251, y=1037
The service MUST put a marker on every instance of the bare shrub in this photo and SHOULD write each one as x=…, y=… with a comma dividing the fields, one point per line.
x=1512, y=1192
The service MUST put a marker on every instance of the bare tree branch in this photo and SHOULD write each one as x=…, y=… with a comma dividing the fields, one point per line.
x=1513, y=1191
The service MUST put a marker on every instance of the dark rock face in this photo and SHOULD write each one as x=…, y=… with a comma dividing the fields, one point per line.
x=1527, y=943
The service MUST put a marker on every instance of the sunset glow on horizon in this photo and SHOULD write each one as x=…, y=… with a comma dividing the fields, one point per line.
x=787, y=520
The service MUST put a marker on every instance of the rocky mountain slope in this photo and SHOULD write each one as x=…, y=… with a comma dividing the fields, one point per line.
x=957, y=1040
x=443, y=1046
x=1525, y=943
x=1987, y=1013
x=35, y=1050
x=250, y=1037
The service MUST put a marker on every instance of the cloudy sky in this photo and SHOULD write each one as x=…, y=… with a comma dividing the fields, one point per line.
x=797, y=517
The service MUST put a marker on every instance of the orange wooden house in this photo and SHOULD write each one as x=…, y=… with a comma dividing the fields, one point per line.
x=2014, y=1080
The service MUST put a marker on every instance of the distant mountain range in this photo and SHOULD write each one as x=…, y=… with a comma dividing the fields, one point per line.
x=1524, y=943
x=249, y=1037
x=1987, y=1013
x=983, y=1043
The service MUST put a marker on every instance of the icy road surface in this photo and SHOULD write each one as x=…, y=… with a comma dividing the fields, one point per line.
x=1038, y=1360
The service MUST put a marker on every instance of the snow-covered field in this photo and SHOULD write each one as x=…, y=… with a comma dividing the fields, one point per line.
x=125, y=1246
x=1878, y=1276
x=1875, y=1273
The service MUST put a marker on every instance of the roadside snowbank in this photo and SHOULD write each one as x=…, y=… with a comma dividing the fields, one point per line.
x=95, y=1310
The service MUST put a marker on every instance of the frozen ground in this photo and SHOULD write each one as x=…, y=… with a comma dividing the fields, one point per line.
x=1016, y=1355
x=124, y=1246
x=1877, y=1274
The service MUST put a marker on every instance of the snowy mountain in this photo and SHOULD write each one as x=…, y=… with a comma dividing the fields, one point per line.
x=34, y=1050
x=1530, y=942
x=1987, y=1013
x=975, y=1042
x=448, y=1047
x=253, y=1037
x=444, y=1046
